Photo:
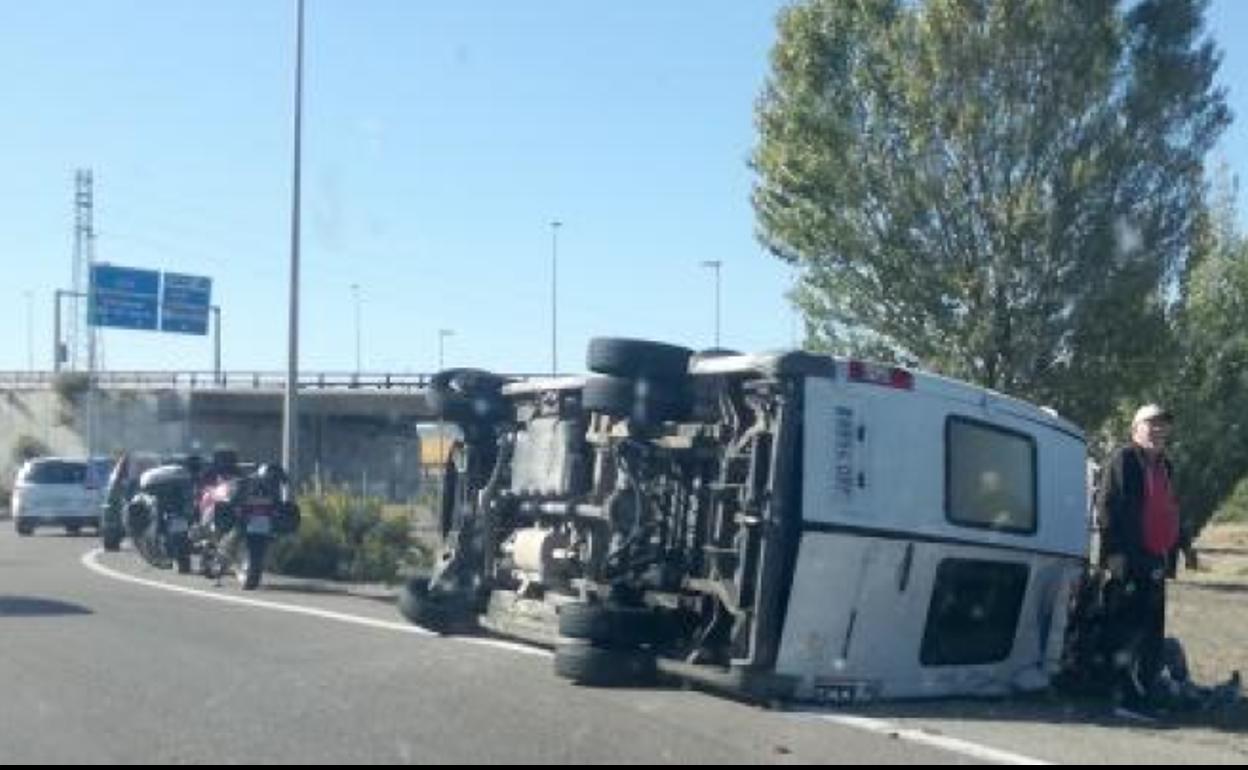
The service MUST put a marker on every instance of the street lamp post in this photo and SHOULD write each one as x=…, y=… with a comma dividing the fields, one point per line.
x=216, y=344
x=716, y=265
x=290, y=415
x=554, y=297
x=355, y=292
x=30, y=330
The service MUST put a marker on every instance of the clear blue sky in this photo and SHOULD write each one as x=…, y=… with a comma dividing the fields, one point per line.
x=440, y=141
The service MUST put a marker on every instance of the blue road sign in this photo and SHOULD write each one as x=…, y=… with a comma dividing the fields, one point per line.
x=124, y=297
x=184, y=304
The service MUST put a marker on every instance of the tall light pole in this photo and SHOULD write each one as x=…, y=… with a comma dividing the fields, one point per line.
x=442, y=335
x=30, y=330
x=355, y=292
x=290, y=414
x=216, y=344
x=554, y=297
x=716, y=265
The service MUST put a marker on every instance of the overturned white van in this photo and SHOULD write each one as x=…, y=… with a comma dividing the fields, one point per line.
x=780, y=525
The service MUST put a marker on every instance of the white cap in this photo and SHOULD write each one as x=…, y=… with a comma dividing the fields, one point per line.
x=1150, y=412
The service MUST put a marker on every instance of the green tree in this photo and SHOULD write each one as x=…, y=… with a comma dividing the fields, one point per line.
x=1209, y=389
x=1000, y=191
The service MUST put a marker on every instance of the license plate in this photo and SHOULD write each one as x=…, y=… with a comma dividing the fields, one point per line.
x=838, y=692
x=259, y=525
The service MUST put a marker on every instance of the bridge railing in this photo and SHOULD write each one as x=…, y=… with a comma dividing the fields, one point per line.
x=234, y=380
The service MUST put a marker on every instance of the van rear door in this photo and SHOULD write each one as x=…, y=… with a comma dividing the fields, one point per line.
x=927, y=564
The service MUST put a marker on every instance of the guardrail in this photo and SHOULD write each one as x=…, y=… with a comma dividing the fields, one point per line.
x=206, y=380
x=242, y=380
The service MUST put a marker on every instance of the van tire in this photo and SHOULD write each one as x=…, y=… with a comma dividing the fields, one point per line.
x=467, y=396
x=622, y=626
x=644, y=401
x=657, y=402
x=25, y=530
x=612, y=396
x=621, y=357
x=595, y=666
x=440, y=614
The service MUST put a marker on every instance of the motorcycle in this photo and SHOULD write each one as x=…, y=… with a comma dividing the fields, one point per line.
x=159, y=517
x=240, y=517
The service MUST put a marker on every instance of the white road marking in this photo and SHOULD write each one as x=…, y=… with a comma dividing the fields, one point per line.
x=956, y=745
x=91, y=561
x=878, y=726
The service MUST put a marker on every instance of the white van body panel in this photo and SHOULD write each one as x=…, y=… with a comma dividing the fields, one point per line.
x=864, y=614
x=856, y=624
x=874, y=457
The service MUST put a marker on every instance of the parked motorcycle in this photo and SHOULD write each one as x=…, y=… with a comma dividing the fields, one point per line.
x=240, y=517
x=160, y=516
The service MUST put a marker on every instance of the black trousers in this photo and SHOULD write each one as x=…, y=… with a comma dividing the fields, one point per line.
x=1138, y=618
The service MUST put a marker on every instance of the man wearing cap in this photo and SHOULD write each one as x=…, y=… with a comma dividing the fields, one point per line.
x=1139, y=519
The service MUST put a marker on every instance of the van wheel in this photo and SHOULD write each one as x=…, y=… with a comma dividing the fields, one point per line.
x=622, y=626
x=622, y=357
x=467, y=396
x=658, y=402
x=443, y=615
x=25, y=530
x=595, y=666
x=609, y=395
x=73, y=530
x=644, y=401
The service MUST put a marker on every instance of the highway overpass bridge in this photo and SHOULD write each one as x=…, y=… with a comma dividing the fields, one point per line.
x=356, y=430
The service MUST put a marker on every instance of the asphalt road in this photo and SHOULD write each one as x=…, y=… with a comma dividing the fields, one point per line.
x=104, y=660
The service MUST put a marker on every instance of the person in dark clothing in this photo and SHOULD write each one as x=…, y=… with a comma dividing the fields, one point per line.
x=1140, y=529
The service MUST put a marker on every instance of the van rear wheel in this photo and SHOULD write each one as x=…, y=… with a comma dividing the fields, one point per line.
x=432, y=611
x=598, y=666
x=613, y=626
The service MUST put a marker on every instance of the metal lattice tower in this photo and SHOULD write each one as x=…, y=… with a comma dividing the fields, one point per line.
x=77, y=342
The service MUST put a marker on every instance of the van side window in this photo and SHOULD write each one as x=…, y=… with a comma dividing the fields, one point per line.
x=990, y=476
x=973, y=616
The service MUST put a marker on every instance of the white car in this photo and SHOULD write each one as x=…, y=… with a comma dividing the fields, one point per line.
x=58, y=492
